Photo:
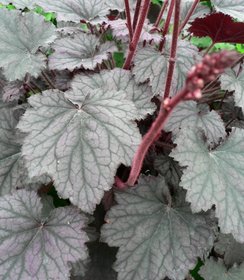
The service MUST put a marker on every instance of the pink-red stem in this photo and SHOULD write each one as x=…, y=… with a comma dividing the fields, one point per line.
x=128, y=18
x=166, y=108
x=137, y=33
x=160, y=15
x=189, y=14
x=136, y=14
x=173, y=50
x=167, y=24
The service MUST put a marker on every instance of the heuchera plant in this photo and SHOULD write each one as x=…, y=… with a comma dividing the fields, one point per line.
x=121, y=141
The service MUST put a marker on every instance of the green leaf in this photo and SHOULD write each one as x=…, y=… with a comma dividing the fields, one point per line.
x=34, y=246
x=240, y=48
x=20, y=38
x=213, y=270
x=81, y=50
x=20, y=4
x=214, y=177
x=80, y=144
x=157, y=235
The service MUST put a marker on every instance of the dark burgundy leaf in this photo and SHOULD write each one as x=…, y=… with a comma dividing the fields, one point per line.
x=219, y=27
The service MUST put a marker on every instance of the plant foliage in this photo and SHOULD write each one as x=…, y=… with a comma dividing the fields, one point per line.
x=121, y=140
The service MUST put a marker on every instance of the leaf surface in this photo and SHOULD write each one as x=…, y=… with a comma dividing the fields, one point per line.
x=76, y=10
x=20, y=38
x=219, y=27
x=80, y=145
x=118, y=4
x=213, y=270
x=231, y=82
x=116, y=79
x=214, y=177
x=189, y=115
x=155, y=239
x=233, y=251
x=34, y=246
x=169, y=169
x=151, y=65
x=80, y=50
x=233, y=8
x=10, y=152
x=20, y=4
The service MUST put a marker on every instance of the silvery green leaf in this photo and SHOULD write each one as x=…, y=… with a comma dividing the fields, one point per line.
x=151, y=65
x=20, y=4
x=121, y=32
x=214, y=177
x=76, y=10
x=199, y=11
x=156, y=237
x=20, y=38
x=80, y=146
x=10, y=152
x=233, y=251
x=169, y=169
x=231, y=82
x=119, y=4
x=116, y=79
x=233, y=8
x=213, y=270
x=68, y=27
x=81, y=50
x=189, y=115
x=231, y=114
x=34, y=246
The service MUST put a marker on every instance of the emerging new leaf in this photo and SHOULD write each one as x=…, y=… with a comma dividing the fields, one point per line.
x=20, y=38
x=189, y=115
x=82, y=50
x=34, y=246
x=214, y=177
x=116, y=79
x=76, y=10
x=80, y=144
x=157, y=236
x=213, y=270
